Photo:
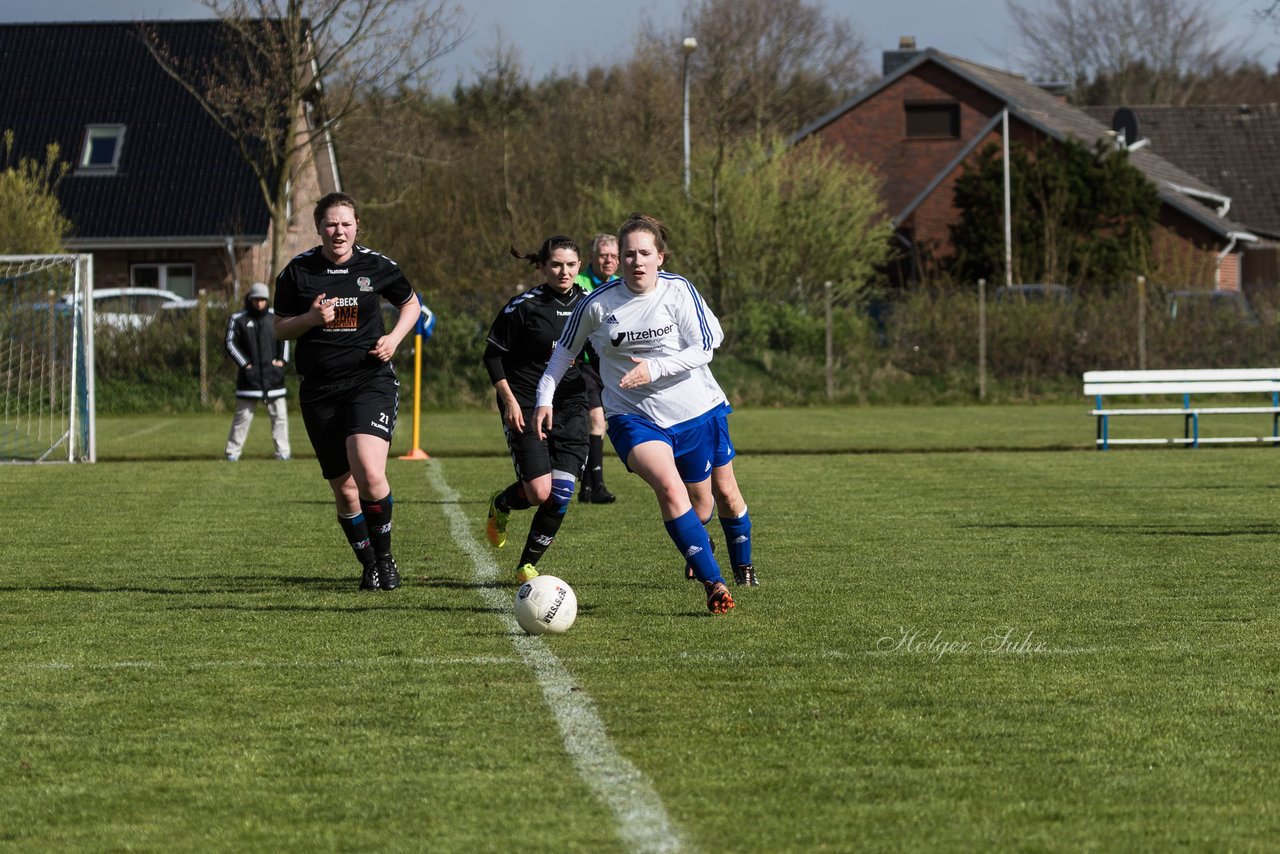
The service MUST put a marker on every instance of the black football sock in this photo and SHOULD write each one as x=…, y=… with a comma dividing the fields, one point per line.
x=542, y=532
x=377, y=515
x=513, y=498
x=595, y=462
x=356, y=530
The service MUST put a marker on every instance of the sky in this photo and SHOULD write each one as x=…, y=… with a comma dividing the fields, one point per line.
x=568, y=35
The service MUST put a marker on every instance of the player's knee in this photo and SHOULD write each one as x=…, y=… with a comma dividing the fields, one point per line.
x=727, y=495
x=561, y=494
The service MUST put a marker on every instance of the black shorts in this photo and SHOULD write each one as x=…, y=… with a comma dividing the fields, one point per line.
x=591, y=379
x=565, y=448
x=332, y=413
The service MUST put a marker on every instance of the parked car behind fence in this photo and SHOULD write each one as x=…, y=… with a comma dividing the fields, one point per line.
x=129, y=308
x=1033, y=293
x=1204, y=305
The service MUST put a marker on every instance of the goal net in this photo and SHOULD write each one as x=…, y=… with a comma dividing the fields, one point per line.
x=46, y=358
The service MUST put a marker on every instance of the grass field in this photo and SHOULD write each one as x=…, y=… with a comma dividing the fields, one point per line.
x=950, y=650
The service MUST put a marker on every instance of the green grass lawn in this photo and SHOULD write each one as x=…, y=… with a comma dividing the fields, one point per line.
x=1060, y=650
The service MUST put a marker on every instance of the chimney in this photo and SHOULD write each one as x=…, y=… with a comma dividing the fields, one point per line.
x=895, y=59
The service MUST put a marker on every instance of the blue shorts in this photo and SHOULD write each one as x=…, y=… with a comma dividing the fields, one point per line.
x=698, y=445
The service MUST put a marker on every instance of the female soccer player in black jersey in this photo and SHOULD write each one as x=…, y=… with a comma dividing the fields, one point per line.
x=520, y=343
x=329, y=299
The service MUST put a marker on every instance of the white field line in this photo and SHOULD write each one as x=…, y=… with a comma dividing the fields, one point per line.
x=642, y=819
x=150, y=428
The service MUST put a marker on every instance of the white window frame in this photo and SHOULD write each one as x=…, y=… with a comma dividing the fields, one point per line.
x=93, y=133
x=162, y=276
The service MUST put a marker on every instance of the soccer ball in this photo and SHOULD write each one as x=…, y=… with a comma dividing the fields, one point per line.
x=546, y=605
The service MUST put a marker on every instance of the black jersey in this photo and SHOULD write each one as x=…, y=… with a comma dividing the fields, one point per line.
x=525, y=331
x=339, y=352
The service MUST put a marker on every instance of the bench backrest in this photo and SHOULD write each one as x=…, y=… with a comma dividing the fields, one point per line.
x=1213, y=381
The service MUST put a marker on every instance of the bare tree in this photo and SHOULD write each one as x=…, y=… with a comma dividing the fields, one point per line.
x=265, y=87
x=1147, y=51
x=766, y=65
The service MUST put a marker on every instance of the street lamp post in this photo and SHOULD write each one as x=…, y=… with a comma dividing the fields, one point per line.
x=689, y=46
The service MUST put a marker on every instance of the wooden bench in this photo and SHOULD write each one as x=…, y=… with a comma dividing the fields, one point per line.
x=1189, y=384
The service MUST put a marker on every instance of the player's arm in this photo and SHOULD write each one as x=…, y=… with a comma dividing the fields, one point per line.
x=320, y=313
x=387, y=344
x=511, y=412
x=579, y=327
x=699, y=330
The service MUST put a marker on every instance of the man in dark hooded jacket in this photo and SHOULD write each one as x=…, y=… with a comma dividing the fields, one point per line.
x=252, y=345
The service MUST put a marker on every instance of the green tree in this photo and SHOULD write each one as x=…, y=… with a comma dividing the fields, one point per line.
x=1080, y=216
x=34, y=222
x=787, y=220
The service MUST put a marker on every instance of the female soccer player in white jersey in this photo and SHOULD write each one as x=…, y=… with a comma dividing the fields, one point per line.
x=666, y=413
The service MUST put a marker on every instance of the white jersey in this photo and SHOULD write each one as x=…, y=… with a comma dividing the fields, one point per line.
x=670, y=327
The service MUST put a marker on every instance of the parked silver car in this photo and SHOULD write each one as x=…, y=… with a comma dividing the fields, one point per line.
x=130, y=308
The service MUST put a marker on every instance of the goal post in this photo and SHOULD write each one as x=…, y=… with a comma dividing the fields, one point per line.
x=46, y=359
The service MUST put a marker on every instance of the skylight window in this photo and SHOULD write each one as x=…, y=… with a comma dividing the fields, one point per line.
x=102, y=146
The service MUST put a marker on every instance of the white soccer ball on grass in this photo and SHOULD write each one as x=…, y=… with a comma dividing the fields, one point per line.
x=546, y=605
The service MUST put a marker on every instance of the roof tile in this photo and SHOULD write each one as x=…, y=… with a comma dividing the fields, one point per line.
x=179, y=176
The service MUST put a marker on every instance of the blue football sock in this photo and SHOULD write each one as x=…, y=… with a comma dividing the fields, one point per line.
x=737, y=534
x=691, y=539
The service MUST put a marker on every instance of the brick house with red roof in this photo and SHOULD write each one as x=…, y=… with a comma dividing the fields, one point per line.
x=1231, y=146
x=931, y=112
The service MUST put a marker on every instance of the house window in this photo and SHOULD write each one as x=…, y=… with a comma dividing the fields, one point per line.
x=933, y=120
x=179, y=278
x=102, y=146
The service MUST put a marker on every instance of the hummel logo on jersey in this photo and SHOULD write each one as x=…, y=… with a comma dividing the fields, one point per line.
x=341, y=272
x=611, y=320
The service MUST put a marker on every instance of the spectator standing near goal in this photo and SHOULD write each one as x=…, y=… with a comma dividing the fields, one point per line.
x=547, y=463
x=329, y=299
x=252, y=345
x=602, y=268
x=667, y=415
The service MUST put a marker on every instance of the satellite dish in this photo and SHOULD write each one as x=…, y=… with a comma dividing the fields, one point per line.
x=1125, y=124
